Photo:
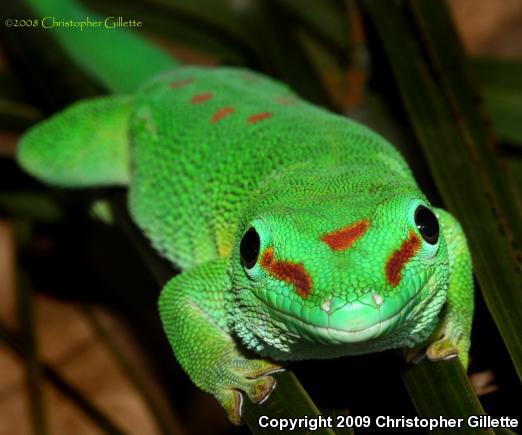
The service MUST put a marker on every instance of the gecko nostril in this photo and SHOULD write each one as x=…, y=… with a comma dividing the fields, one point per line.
x=326, y=306
x=377, y=298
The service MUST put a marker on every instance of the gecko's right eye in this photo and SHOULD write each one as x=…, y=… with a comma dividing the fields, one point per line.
x=427, y=224
x=249, y=248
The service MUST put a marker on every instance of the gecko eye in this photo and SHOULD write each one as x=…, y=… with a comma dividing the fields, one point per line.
x=249, y=248
x=427, y=224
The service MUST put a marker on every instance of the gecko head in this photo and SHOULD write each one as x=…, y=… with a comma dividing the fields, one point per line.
x=335, y=270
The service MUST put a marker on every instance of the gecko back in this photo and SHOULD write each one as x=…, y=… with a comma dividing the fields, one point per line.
x=204, y=140
x=194, y=144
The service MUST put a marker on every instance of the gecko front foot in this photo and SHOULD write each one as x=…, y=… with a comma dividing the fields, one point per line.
x=442, y=349
x=247, y=376
x=449, y=341
x=193, y=315
x=439, y=347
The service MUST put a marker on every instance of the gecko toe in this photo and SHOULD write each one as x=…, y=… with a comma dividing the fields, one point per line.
x=442, y=350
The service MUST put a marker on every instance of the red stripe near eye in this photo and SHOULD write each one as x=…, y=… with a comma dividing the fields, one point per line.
x=200, y=98
x=221, y=113
x=291, y=273
x=345, y=237
x=259, y=117
x=400, y=258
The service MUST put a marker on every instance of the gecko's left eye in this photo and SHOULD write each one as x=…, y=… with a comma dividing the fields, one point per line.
x=249, y=248
x=427, y=224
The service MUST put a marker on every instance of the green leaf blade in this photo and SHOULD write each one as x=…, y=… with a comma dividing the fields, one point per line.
x=451, y=147
x=442, y=389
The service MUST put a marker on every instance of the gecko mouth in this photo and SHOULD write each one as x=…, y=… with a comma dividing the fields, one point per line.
x=352, y=323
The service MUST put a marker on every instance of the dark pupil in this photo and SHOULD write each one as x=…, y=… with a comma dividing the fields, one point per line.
x=249, y=248
x=427, y=224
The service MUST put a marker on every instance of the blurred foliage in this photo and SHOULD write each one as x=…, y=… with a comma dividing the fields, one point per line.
x=398, y=67
x=501, y=84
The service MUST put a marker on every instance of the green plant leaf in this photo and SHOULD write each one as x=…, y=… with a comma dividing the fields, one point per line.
x=33, y=206
x=280, y=52
x=442, y=389
x=30, y=351
x=188, y=31
x=325, y=20
x=430, y=74
x=38, y=70
x=288, y=400
x=16, y=112
x=501, y=83
x=17, y=116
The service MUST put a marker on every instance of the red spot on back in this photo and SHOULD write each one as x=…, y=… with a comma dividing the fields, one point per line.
x=286, y=101
x=221, y=113
x=400, y=258
x=291, y=273
x=200, y=98
x=259, y=117
x=345, y=237
x=180, y=83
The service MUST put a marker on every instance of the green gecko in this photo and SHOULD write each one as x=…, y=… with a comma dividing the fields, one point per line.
x=300, y=233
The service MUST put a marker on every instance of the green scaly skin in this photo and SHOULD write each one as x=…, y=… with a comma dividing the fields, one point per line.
x=343, y=268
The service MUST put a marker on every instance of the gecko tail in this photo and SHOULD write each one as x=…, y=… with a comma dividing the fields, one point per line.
x=120, y=59
x=85, y=145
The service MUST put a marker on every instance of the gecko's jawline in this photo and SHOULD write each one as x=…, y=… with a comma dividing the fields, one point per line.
x=343, y=336
x=340, y=336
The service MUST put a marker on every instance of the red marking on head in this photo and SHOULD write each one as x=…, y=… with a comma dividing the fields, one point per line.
x=221, y=113
x=200, y=98
x=400, y=258
x=259, y=117
x=345, y=237
x=180, y=83
x=291, y=273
